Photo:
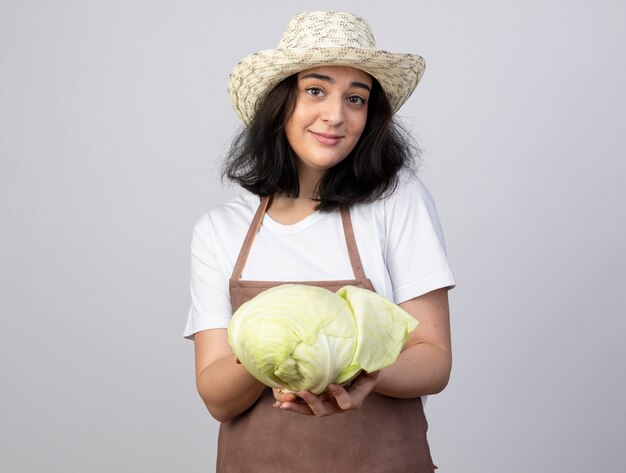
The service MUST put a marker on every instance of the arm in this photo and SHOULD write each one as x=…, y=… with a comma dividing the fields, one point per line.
x=225, y=386
x=425, y=363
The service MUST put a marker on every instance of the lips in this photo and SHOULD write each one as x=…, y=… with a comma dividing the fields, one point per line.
x=327, y=139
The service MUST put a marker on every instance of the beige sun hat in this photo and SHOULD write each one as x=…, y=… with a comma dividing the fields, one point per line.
x=321, y=38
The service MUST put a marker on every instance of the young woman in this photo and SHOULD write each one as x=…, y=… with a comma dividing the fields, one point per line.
x=332, y=201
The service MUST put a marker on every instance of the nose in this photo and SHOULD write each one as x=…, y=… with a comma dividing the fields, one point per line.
x=332, y=112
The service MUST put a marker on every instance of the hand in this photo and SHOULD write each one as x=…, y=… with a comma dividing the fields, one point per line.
x=335, y=400
x=283, y=396
x=292, y=397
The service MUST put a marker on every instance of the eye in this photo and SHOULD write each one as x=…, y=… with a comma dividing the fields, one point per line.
x=315, y=91
x=356, y=100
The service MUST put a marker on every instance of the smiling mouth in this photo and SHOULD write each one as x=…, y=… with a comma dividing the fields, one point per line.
x=326, y=138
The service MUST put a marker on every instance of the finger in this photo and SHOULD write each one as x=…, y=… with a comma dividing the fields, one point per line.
x=363, y=386
x=300, y=408
x=288, y=397
x=317, y=405
x=366, y=380
x=325, y=396
x=282, y=396
x=342, y=397
x=353, y=397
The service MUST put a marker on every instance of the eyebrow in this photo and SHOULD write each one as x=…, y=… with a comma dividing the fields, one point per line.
x=329, y=79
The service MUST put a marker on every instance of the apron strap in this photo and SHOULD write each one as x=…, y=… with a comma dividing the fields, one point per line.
x=353, y=251
x=247, y=242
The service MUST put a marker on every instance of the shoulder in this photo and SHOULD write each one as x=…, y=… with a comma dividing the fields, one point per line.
x=409, y=210
x=240, y=208
x=410, y=200
x=410, y=188
x=225, y=219
x=409, y=195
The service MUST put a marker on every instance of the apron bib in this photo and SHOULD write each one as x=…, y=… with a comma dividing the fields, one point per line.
x=386, y=435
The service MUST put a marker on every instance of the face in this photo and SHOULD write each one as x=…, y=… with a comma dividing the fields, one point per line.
x=329, y=116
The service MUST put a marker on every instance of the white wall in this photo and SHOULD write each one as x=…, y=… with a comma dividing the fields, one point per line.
x=113, y=119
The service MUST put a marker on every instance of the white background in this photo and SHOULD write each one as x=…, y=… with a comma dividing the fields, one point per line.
x=114, y=118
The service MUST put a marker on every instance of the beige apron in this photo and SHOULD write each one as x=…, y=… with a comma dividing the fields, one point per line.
x=385, y=435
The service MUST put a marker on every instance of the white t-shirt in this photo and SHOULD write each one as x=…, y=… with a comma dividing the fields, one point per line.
x=399, y=238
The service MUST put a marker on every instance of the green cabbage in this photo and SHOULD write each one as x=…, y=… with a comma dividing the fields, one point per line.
x=296, y=337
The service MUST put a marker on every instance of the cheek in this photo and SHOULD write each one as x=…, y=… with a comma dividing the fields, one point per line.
x=296, y=122
x=290, y=130
x=358, y=124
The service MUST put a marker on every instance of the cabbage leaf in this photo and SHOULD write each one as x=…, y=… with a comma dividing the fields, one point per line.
x=297, y=337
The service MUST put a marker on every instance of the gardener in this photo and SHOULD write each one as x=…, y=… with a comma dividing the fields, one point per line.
x=332, y=202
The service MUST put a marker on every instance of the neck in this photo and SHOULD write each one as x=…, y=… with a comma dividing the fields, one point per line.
x=288, y=210
x=309, y=178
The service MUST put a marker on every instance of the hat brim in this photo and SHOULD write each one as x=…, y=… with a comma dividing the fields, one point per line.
x=259, y=73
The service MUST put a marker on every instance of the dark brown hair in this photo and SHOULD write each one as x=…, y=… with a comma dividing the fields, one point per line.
x=261, y=160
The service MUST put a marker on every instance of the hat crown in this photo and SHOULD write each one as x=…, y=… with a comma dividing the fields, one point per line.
x=327, y=29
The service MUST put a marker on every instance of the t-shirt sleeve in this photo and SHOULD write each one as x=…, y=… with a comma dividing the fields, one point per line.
x=414, y=249
x=210, y=300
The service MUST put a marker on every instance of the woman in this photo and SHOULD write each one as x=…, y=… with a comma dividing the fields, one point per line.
x=332, y=202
